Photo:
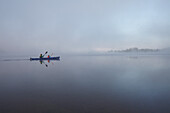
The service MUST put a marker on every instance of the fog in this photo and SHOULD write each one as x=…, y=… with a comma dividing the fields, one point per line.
x=81, y=26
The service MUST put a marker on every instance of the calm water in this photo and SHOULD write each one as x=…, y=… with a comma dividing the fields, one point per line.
x=86, y=84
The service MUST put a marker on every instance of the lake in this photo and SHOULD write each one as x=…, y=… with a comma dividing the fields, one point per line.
x=86, y=84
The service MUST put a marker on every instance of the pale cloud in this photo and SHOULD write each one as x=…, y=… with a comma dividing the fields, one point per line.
x=83, y=25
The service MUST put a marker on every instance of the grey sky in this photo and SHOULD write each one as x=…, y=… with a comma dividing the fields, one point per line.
x=61, y=26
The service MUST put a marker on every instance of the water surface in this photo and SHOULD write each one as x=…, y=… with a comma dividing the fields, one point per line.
x=86, y=84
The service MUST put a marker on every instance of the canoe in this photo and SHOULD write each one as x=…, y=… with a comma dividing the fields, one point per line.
x=51, y=58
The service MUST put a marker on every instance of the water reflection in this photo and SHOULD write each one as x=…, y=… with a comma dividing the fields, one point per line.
x=87, y=84
x=46, y=61
x=42, y=62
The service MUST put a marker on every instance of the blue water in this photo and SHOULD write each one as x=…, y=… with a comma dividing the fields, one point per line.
x=86, y=84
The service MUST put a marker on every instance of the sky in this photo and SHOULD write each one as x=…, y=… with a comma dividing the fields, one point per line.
x=82, y=26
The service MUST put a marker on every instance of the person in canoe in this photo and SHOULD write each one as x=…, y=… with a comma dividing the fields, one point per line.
x=48, y=56
x=41, y=56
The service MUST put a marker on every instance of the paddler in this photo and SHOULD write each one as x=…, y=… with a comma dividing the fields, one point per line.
x=41, y=56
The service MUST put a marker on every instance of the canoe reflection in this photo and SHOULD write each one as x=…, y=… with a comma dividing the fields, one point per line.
x=46, y=61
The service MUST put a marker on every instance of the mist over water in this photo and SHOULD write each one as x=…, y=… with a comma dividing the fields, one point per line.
x=123, y=64
x=32, y=27
x=93, y=84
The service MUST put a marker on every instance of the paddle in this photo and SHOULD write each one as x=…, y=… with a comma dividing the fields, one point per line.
x=45, y=53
